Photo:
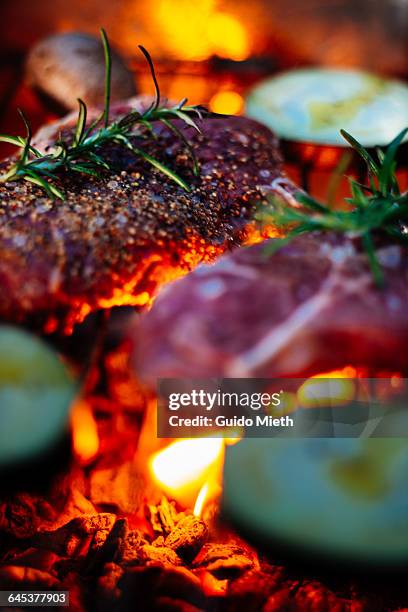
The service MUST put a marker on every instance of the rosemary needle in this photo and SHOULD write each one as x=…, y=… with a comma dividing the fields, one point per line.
x=85, y=152
x=373, y=210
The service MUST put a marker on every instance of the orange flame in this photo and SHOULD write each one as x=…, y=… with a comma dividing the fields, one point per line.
x=201, y=499
x=190, y=470
x=84, y=432
x=184, y=467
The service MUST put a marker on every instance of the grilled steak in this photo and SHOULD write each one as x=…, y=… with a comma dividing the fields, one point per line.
x=115, y=238
x=310, y=308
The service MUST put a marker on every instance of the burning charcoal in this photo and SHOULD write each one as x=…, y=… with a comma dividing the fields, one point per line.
x=15, y=576
x=187, y=537
x=253, y=588
x=120, y=546
x=98, y=540
x=148, y=585
x=124, y=547
x=107, y=590
x=72, y=539
x=212, y=586
x=158, y=541
x=130, y=550
x=23, y=514
x=281, y=600
x=163, y=516
x=313, y=597
x=159, y=554
x=116, y=538
x=224, y=560
x=68, y=66
x=105, y=546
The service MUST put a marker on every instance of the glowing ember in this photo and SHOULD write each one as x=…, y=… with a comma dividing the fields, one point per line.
x=84, y=432
x=338, y=389
x=254, y=233
x=346, y=372
x=227, y=102
x=328, y=392
x=197, y=30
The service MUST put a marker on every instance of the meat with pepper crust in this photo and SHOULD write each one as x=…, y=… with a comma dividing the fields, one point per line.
x=115, y=238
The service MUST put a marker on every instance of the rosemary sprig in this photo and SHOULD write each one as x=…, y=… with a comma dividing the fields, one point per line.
x=84, y=153
x=373, y=210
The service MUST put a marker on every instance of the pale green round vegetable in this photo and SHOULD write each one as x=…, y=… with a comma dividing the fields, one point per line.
x=36, y=392
x=338, y=498
x=312, y=105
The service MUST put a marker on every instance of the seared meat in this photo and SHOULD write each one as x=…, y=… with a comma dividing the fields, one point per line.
x=310, y=308
x=115, y=238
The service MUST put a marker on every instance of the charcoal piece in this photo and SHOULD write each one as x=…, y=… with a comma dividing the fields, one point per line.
x=122, y=546
x=282, y=599
x=224, y=560
x=99, y=538
x=211, y=585
x=73, y=538
x=314, y=597
x=131, y=548
x=105, y=546
x=25, y=513
x=21, y=515
x=251, y=590
x=159, y=554
x=163, y=516
x=187, y=537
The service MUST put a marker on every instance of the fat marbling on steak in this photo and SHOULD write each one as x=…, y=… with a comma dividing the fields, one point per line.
x=309, y=308
x=117, y=237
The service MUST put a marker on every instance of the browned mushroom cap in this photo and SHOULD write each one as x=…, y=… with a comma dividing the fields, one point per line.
x=68, y=66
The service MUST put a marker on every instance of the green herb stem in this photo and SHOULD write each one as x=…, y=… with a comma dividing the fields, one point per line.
x=377, y=209
x=108, y=76
x=85, y=153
